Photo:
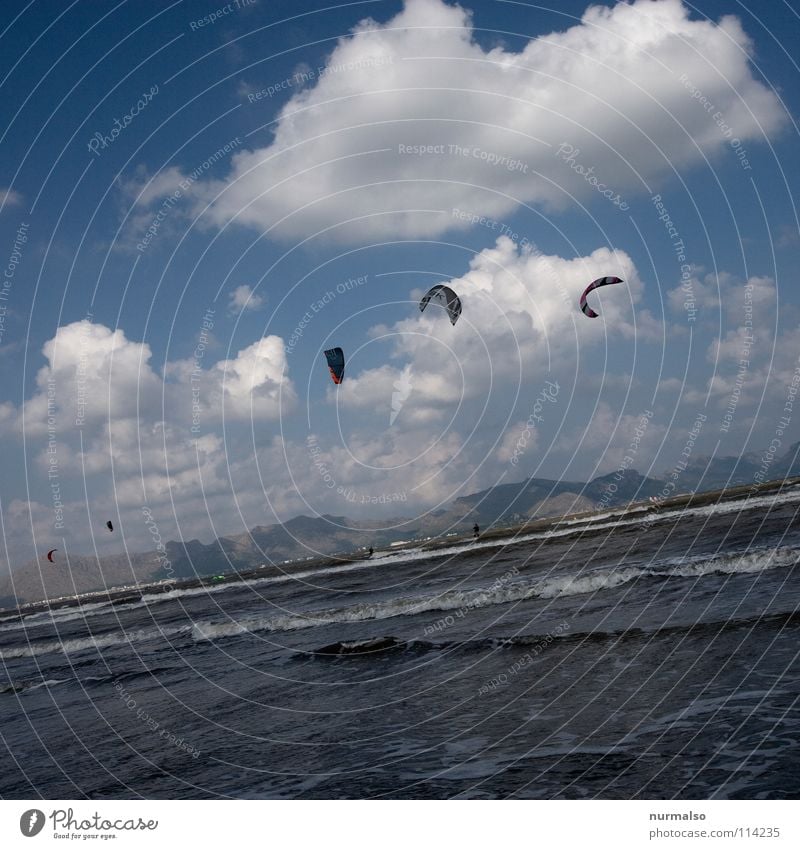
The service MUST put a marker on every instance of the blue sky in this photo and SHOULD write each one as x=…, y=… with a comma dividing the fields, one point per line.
x=268, y=158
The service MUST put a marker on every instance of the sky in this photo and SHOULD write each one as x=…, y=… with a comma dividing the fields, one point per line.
x=198, y=199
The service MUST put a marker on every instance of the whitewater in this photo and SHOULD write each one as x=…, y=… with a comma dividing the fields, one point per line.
x=630, y=654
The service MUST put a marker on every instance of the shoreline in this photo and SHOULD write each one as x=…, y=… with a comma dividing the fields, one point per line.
x=129, y=594
x=575, y=520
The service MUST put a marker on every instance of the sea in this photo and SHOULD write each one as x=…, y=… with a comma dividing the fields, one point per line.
x=642, y=655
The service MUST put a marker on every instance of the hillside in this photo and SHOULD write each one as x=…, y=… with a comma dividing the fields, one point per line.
x=39, y=579
x=540, y=497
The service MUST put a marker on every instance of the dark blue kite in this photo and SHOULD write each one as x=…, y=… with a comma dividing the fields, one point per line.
x=335, y=359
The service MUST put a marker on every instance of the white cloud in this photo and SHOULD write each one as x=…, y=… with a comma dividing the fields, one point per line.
x=157, y=207
x=519, y=328
x=608, y=437
x=244, y=298
x=749, y=325
x=428, y=471
x=610, y=87
x=146, y=190
x=420, y=399
x=470, y=391
x=519, y=317
x=115, y=435
x=518, y=439
x=724, y=296
x=255, y=384
x=93, y=375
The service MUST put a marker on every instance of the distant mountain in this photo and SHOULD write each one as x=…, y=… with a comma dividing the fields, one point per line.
x=704, y=473
x=39, y=579
x=788, y=465
x=303, y=536
x=312, y=536
x=541, y=498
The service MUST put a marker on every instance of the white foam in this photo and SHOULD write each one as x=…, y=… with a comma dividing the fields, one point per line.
x=754, y=560
x=464, y=600
x=83, y=643
x=748, y=561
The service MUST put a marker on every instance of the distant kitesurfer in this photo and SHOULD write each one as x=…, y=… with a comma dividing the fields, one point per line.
x=476, y=530
x=110, y=525
x=370, y=551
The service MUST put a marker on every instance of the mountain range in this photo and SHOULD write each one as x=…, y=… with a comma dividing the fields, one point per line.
x=307, y=536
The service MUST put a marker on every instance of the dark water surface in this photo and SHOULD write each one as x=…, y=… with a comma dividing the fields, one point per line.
x=633, y=658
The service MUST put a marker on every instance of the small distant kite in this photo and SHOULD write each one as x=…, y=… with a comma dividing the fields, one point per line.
x=445, y=296
x=50, y=555
x=335, y=359
x=596, y=284
x=109, y=525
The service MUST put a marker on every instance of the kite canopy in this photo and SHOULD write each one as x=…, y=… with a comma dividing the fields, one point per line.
x=109, y=525
x=50, y=554
x=335, y=359
x=445, y=296
x=596, y=284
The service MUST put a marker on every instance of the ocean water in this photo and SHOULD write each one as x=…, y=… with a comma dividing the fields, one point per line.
x=648, y=656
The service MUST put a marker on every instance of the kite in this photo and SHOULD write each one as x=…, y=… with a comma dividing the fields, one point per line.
x=335, y=359
x=445, y=296
x=596, y=284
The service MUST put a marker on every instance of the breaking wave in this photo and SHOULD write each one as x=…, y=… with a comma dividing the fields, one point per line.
x=499, y=593
x=99, y=642
x=751, y=561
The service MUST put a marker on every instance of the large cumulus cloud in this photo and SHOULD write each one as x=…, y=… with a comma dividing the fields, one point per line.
x=519, y=323
x=618, y=87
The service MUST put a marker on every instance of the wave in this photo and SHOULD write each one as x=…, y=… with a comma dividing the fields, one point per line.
x=358, y=648
x=499, y=593
x=620, y=518
x=99, y=642
x=427, y=555
x=753, y=560
x=748, y=561
x=68, y=614
x=673, y=632
x=73, y=614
